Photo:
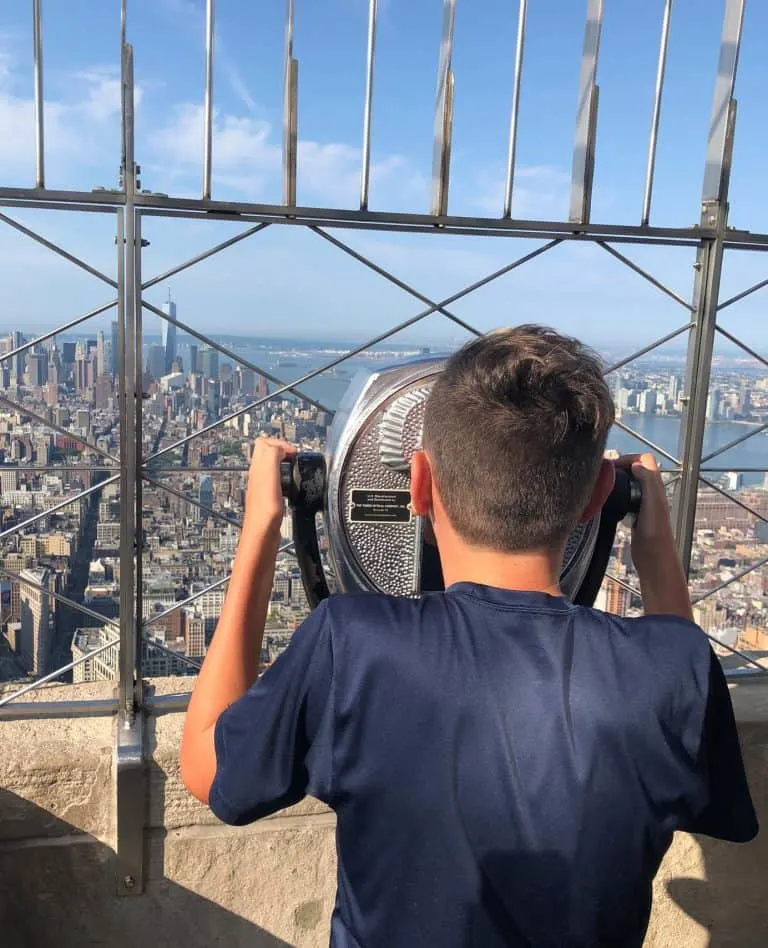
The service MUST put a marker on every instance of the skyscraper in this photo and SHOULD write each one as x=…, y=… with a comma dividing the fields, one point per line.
x=193, y=358
x=101, y=354
x=34, y=621
x=209, y=362
x=156, y=360
x=114, y=354
x=17, y=362
x=169, y=333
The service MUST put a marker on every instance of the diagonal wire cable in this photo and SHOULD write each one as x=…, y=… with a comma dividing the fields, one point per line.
x=720, y=586
x=732, y=444
x=49, y=245
x=729, y=496
x=356, y=350
x=56, y=332
x=59, y=506
x=17, y=406
x=205, y=255
x=232, y=521
x=740, y=296
x=649, y=348
x=742, y=345
x=285, y=548
x=650, y=444
x=645, y=275
x=231, y=355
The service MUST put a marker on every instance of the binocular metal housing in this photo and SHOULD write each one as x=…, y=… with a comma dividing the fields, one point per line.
x=361, y=486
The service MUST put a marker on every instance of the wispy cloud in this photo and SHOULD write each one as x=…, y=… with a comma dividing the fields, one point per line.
x=247, y=158
x=540, y=191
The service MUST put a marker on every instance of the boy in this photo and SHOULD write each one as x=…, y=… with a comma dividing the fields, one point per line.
x=507, y=769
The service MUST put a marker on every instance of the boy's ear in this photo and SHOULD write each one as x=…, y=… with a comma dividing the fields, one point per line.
x=606, y=478
x=421, y=484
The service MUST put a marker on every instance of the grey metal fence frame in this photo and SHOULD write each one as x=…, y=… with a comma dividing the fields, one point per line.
x=130, y=205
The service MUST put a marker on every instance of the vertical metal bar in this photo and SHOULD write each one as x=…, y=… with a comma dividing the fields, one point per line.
x=208, y=102
x=138, y=459
x=130, y=784
x=368, y=108
x=37, y=30
x=660, y=69
x=521, y=14
x=709, y=264
x=717, y=144
x=290, y=112
x=586, y=118
x=128, y=413
x=441, y=153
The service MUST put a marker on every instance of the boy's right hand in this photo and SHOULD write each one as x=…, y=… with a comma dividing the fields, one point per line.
x=654, y=553
x=652, y=534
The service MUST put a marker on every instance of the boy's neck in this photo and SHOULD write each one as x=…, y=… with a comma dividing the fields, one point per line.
x=526, y=572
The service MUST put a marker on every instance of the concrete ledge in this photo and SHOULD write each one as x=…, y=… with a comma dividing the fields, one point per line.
x=271, y=884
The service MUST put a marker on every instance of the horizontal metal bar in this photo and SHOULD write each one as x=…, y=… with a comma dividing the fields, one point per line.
x=191, y=500
x=742, y=345
x=168, y=704
x=224, y=245
x=645, y=275
x=49, y=245
x=34, y=685
x=69, y=708
x=58, y=331
x=735, y=500
x=196, y=469
x=738, y=470
x=278, y=212
x=59, y=506
x=651, y=444
x=106, y=199
x=70, y=603
x=732, y=444
x=649, y=348
x=57, y=468
x=444, y=226
x=22, y=409
x=231, y=355
x=736, y=673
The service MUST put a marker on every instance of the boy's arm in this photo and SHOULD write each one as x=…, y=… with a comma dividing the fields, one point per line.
x=662, y=580
x=232, y=663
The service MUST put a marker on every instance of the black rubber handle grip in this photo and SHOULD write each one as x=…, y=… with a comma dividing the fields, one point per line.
x=302, y=481
x=624, y=500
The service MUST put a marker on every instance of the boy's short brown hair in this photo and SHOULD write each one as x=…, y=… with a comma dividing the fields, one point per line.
x=515, y=428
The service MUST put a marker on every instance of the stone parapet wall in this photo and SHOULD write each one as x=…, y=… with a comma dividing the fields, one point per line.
x=271, y=884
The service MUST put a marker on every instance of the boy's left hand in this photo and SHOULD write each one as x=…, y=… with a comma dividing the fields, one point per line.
x=264, y=504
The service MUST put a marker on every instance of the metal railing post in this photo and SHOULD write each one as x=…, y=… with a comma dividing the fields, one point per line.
x=709, y=265
x=130, y=784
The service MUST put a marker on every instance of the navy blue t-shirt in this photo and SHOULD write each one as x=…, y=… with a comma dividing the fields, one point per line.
x=507, y=769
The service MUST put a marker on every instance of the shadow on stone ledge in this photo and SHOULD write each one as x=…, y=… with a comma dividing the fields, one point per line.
x=57, y=890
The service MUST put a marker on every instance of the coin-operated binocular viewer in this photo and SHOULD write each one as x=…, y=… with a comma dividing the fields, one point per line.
x=362, y=488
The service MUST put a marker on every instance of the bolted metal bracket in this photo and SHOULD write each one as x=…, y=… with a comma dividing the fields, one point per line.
x=131, y=803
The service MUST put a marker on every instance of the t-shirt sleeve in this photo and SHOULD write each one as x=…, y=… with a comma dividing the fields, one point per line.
x=274, y=745
x=728, y=812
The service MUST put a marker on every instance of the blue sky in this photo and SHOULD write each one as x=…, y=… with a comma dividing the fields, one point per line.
x=286, y=277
